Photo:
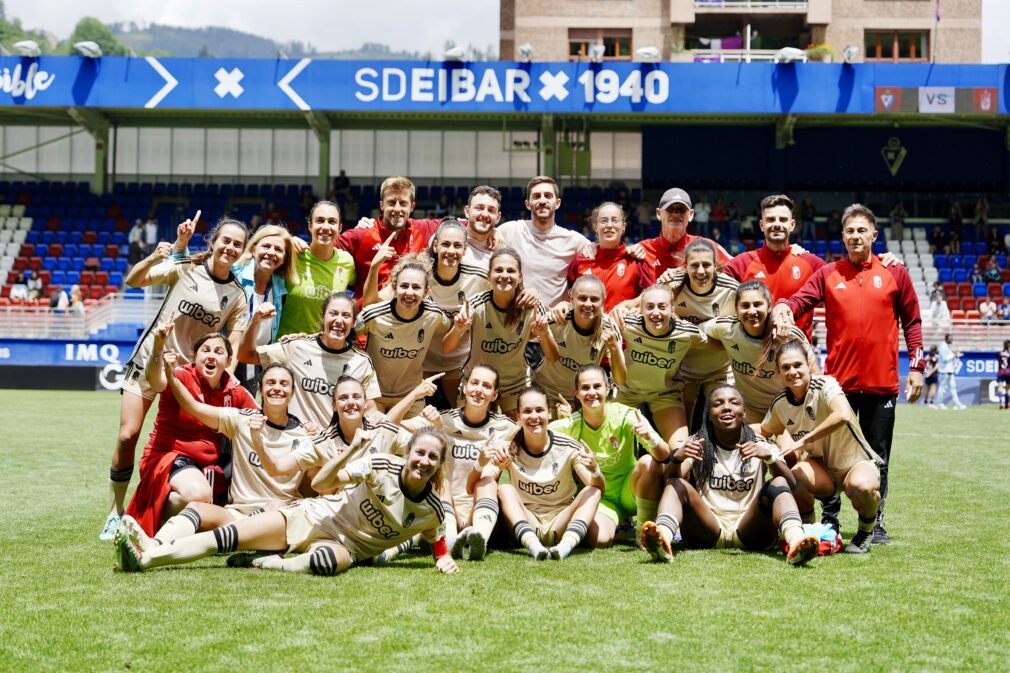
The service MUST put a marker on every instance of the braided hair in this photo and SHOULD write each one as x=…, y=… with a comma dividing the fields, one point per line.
x=702, y=471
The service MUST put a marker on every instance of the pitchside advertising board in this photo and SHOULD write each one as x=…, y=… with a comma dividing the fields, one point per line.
x=502, y=86
x=99, y=365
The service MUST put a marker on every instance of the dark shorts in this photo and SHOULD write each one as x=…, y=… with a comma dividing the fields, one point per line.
x=1003, y=376
x=182, y=463
x=932, y=380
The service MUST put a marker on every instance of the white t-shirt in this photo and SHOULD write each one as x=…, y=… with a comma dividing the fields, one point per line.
x=545, y=256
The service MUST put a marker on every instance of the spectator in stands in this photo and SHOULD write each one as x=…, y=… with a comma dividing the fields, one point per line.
x=255, y=223
x=988, y=309
x=644, y=214
x=36, y=288
x=938, y=309
x=995, y=242
x=59, y=300
x=931, y=377
x=76, y=301
x=19, y=290
x=992, y=273
x=954, y=217
x=702, y=215
x=898, y=215
x=342, y=185
x=954, y=247
x=624, y=200
x=151, y=235
x=442, y=207
x=980, y=218
x=734, y=217
x=458, y=207
x=949, y=361
x=808, y=219
x=720, y=215
x=137, y=242
x=1004, y=309
x=976, y=274
x=833, y=228
x=307, y=201
x=938, y=241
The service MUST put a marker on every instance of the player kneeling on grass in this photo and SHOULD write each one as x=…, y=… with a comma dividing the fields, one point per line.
x=258, y=439
x=820, y=421
x=720, y=497
x=393, y=498
x=542, y=502
x=612, y=430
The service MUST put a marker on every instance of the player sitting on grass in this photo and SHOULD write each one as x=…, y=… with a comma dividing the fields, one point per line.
x=542, y=502
x=180, y=461
x=817, y=415
x=612, y=431
x=393, y=498
x=719, y=496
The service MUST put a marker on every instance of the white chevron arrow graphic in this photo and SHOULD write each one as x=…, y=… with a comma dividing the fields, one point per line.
x=170, y=82
x=285, y=84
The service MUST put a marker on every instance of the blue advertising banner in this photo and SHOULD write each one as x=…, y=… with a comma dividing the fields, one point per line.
x=503, y=86
x=64, y=353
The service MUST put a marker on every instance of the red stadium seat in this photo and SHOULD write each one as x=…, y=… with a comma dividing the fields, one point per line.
x=95, y=292
x=35, y=263
x=89, y=237
x=122, y=224
x=954, y=303
x=5, y=292
x=4, y=301
x=111, y=250
x=995, y=290
x=89, y=302
x=87, y=278
x=20, y=263
x=46, y=276
x=55, y=249
x=1004, y=275
x=957, y=314
x=11, y=277
x=950, y=289
x=27, y=250
x=972, y=315
x=53, y=224
x=102, y=277
x=92, y=263
x=964, y=290
x=111, y=289
x=969, y=304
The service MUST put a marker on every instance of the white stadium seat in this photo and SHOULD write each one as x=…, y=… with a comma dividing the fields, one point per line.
x=907, y=247
x=894, y=246
x=922, y=247
x=919, y=234
x=5, y=209
x=25, y=224
x=925, y=260
x=910, y=259
x=930, y=274
x=18, y=209
x=6, y=235
x=915, y=273
x=13, y=249
x=20, y=236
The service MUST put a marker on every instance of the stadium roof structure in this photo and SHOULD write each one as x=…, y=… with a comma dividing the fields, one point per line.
x=96, y=93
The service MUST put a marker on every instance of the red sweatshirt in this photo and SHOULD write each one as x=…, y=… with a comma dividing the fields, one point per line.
x=624, y=276
x=362, y=244
x=784, y=273
x=663, y=255
x=863, y=304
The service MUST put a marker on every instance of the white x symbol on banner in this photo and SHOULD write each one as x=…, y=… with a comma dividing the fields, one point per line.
x=228, y=82
x=553, y=85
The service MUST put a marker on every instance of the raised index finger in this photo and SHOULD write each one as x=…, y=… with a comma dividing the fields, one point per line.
x=196, y=218
x=435, y=377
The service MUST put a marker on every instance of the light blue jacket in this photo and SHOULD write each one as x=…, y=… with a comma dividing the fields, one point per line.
x=278, y=290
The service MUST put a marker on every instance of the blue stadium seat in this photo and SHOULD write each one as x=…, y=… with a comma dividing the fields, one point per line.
x=63, y=264
x=70, y=250
x=119, y=238
x=956, y=262
x=58, y=278
x=73, y=277
x=107, y=264
x=960, y=275
x=104, y=237
x=879, y=247
x=77, y=263
x=116, y=278
x=42, y=249
x=941, y=261
x=1001, y=261
x=1006, y=289
x=75, y=237
x=970, y=261
x=836, y=248
x=945, y=275
x=62, y=237
x=121, y=264
x=980, y=289
x=49, y=263
x=34, y=236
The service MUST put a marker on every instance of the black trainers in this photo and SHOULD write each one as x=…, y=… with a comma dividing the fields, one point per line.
x=880, y=535
x=832, y=520
x=860, y=543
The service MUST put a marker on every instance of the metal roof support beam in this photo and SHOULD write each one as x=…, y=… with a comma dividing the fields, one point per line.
x=321, y=127
x=95, y=123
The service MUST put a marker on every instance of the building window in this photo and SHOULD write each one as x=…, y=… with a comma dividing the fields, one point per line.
x=616, y=43
x=897, y=45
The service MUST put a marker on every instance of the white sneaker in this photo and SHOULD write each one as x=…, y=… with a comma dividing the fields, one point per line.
x=109, y=529
x=960, y=406
x=941, y=405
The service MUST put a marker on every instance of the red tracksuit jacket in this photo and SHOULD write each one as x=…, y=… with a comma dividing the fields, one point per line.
x=784, y=273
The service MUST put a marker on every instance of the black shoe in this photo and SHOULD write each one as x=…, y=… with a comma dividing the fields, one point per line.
x=880, y=535
x=860, y=543
x=832, y=520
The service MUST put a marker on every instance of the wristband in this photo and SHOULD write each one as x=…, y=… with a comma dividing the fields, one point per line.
x=440, y=548
x=776, y=454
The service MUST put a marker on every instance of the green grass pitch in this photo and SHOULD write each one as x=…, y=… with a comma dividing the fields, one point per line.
x=937, y=599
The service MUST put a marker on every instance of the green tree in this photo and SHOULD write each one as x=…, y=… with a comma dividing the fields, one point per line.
x=90, y=28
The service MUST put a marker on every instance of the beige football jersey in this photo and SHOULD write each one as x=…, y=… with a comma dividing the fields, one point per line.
x=840, y=450
x=251, y=486
x=732, y=486
x=744, y=351
x=710, y=360
x=467, y=441
x=547, y=482
x=398, y=347
x=492, y=343
x=470, y=281
x=577, y=349
x=317, y=369
x=200, y=304
x=386, y=438
x=376, y=514
x=653, y=361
